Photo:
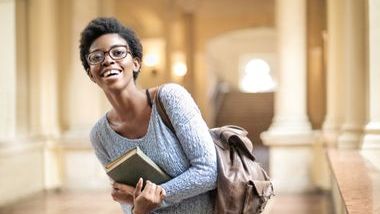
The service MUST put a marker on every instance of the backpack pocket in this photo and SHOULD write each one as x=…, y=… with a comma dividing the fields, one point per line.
x=257, y=195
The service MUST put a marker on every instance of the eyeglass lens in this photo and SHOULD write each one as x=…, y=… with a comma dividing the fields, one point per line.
x=115, y=53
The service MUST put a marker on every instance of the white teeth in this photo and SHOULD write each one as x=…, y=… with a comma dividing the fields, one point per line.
x=110, y=72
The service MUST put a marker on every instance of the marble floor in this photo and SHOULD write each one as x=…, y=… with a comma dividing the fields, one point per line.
x=101, y=203
x=318, y=203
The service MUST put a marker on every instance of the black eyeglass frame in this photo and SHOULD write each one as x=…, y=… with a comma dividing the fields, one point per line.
x=107, y=52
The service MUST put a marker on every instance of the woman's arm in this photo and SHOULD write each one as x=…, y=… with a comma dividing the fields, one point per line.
x=196, y=142
x=120, y=192
x=99, y=149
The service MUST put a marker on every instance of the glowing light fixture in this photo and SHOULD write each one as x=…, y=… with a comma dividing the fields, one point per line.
x=151, y=60
x=154, y=56
x=179, y=69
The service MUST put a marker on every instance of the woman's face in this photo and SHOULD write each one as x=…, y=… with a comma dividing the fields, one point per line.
x=111, y=64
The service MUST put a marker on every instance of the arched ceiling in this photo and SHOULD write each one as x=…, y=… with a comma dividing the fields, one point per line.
x=145, y=16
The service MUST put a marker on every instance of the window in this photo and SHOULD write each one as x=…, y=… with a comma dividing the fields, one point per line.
x=256, y=77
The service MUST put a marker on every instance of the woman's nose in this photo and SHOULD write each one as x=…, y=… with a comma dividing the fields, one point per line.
x=107, y=60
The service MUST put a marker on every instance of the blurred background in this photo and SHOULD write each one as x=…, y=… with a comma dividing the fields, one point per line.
x=300, y=75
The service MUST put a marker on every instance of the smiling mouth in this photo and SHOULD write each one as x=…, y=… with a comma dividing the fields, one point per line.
x=110, y=73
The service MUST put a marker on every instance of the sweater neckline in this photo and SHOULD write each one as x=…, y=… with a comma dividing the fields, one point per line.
x=136, y=140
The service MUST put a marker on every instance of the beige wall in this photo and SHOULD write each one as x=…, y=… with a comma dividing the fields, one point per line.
x=22, y=170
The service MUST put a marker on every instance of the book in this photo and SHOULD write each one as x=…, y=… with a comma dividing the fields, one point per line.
x=132, y=165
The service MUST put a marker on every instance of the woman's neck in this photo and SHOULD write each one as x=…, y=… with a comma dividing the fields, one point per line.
x=128, y=104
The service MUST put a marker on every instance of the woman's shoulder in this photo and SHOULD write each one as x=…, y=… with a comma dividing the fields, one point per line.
x=170, y=90
x=176, y=98
x=97, y=128
x=172, y=87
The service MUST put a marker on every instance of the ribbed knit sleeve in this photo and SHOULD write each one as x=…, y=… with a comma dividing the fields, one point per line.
x=196, y=142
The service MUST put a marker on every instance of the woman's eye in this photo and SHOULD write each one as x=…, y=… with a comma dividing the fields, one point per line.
x=96, y=57
x=118, y=53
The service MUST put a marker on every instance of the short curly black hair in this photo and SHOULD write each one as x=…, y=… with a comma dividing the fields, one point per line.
x=105, y=25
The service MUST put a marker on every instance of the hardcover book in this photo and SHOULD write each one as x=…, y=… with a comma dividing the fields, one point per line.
x=132, y=165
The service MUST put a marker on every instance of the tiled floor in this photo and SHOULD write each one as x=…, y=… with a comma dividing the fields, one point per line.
x=65, y=203
x=101, y=203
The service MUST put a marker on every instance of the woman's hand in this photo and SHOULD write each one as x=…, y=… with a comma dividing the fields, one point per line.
x=149, y=198
x=122, y=193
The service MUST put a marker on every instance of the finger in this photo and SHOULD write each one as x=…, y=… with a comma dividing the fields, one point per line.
x=125, y=188
x=116, y=185
x=163, y=193
x=114, y=195
x=150, y=187
x=138, y=188
x=121, y=186
x=158, y=190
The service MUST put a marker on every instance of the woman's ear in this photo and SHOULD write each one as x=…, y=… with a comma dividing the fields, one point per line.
x=136, y=65
x=90, y=75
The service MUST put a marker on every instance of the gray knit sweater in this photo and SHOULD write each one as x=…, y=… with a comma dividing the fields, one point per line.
x=191, y=161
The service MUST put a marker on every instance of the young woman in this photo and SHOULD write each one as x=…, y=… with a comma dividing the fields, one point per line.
x=112, y=55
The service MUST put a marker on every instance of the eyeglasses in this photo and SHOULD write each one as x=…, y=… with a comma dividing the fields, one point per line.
x=116, y=53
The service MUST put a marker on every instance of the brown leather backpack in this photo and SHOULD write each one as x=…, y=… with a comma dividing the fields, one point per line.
x=243, y=186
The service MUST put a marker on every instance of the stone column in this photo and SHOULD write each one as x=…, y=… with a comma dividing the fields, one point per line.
x=169, y=18
x=372, y=129
x=354, y=79
x=43, y=68
x=82, y=100
x=189, y=9
x=189, y=78
x=8, y=70
x=290, y=99
x=290, y=135
x=22, y=76
x=334, y=114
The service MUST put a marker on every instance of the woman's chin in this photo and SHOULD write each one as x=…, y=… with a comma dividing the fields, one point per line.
x=116, y=84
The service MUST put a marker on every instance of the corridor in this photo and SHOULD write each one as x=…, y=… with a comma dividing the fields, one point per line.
x=301, y=76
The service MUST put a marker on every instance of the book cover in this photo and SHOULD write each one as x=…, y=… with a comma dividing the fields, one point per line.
x=132, y=165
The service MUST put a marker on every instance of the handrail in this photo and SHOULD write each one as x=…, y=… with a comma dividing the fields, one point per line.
x=357, y=179
x=220, y=90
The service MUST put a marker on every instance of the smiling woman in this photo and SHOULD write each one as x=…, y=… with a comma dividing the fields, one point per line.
x=108, y=60
x=116, y=53
x=112, y=54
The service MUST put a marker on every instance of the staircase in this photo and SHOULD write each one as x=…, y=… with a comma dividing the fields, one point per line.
x=252, y=111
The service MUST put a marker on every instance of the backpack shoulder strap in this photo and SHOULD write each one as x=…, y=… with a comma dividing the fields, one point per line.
x=162, y=112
